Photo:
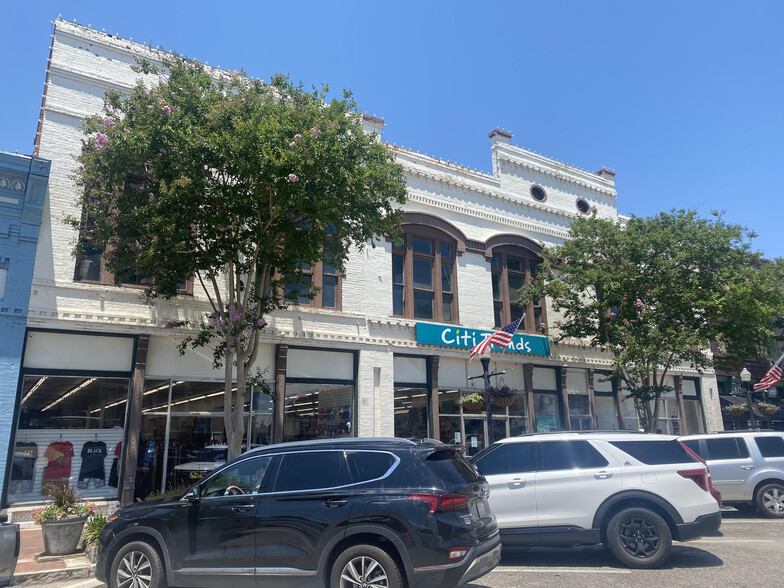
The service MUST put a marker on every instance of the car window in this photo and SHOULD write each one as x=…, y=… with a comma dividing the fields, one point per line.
x=656, y=452
x=451, y=468
x=568, y=455
x=244, y=477
x=726, y=448
x=694, y=445
x=311, y=470
x=369, y=465
x=770, y=446
x=505, y=458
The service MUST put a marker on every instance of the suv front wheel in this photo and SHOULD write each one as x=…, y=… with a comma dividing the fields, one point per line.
x=137, y=565
x=639, y=538
x=365, y=565
x=770, y=500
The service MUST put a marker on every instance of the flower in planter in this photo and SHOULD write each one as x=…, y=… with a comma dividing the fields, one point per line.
x=474, y=399
x=65, y=504
x=735, y=409
x=766, y=408
x=501, y=396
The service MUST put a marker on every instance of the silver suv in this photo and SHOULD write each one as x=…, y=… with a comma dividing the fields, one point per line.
x=635, y=493
x=747, y=467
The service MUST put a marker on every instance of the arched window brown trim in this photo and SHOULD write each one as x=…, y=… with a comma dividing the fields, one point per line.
x=428, y=220
x=514, y=261
x=512, y=240
x=424, y=272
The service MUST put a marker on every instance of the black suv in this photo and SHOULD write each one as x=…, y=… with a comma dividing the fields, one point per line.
x=338, y=513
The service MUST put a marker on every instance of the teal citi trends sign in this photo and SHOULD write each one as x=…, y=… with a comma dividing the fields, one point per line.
x=452, y=336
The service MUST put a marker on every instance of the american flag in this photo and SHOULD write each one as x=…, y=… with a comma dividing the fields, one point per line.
x=773, y=376
x=501, y=338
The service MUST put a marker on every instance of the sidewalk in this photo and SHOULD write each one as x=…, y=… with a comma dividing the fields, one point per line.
x=35, y=569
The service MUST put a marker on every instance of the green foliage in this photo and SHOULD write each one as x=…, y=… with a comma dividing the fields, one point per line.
x=656, y=291
x=170, y=492
x=93, y=529
x=235, y=184
x=473, y=398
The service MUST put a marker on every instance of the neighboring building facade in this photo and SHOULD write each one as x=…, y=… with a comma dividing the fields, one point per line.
x=382, y=350
x=23, y=182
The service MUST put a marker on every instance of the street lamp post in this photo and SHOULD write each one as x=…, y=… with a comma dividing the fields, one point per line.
x=488, y=404
x=745, y=376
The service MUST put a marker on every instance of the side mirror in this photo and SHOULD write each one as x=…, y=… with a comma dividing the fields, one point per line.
x=192, y=497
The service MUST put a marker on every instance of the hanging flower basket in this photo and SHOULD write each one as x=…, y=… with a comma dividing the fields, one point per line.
x=736, y=410
x=472, y=401
x=766, y=409
x=501, y=396
x=504, y=401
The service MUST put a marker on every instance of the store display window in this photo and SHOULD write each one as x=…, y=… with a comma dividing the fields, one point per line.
x=411, y=412
x=318, y=411
x=68, y=433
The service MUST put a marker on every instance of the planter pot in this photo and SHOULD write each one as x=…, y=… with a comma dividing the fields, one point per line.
x=473, y=405
x=61, y=537
x=504, y=401
x=766, y=411
x=736, y=413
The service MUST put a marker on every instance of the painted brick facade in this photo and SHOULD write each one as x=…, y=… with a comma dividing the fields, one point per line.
x=23, y=183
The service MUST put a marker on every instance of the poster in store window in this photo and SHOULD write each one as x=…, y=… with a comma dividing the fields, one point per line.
x=546, y=422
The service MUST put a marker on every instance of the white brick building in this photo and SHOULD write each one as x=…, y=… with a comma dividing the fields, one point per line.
x=364, y=363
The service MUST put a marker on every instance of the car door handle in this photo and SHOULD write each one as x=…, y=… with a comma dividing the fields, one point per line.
x=335, y=502
x=748, y=467
x=516, y=483
x=243, y=507
x=602, y=476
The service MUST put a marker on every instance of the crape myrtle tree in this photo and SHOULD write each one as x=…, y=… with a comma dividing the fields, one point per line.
x=655, y=291
x=234, y=183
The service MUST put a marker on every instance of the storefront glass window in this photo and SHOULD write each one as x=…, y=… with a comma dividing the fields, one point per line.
x=318, y=411
x=410, y=412
x=69, y=429
x=606, y=417
x=546, y=411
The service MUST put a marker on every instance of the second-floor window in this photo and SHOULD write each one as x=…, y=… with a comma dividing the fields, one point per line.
x=324, y=277
x=424, y=284
x=511, y=270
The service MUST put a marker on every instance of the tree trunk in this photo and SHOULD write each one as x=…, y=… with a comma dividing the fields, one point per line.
x=237, y=414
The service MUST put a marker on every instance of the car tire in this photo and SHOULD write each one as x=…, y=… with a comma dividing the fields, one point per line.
x=365, y=564
x=770, y=500
x=138, y=561
x=639, y=538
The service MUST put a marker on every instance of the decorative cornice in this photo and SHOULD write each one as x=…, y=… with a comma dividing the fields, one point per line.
x=549, y=169
x=530, y=227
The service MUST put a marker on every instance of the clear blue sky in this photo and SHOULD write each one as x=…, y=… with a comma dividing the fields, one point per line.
x=682, y=99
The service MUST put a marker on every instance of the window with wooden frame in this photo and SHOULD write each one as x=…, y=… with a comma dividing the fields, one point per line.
x=322, y=275
x=513, y=268
x=424, y=279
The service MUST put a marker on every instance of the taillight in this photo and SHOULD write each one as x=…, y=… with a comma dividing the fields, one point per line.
x=699, y=477
x=441, y=502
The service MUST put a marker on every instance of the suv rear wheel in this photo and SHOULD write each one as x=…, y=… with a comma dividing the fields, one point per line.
x=639, y=538
x=770, y=500
x=365, y=565
x=137, y=565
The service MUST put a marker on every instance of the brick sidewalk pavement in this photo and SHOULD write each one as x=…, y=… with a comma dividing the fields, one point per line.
x=36, y=569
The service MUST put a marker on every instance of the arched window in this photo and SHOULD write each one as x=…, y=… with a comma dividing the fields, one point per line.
x=424, y=275
x=514, y=262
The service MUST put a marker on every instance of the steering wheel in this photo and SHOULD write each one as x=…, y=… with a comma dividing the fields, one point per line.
x=233, y=491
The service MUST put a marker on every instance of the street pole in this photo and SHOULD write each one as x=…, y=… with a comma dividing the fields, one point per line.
x=745, y=377
x=751, y=408
x=486, y=375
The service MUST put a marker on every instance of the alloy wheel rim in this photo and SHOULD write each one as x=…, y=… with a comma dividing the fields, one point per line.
x=363, y=572
x=134, y=571
x=774, y=501
x=639, y=537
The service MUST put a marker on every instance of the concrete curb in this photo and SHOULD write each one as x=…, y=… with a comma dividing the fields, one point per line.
x=76, y=572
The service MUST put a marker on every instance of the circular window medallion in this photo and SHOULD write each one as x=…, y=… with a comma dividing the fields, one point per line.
x=538, y=193
x=583, y=206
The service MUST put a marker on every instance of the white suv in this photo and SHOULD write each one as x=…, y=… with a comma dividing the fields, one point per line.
x=747, y=467
x=631, y=491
